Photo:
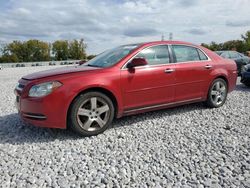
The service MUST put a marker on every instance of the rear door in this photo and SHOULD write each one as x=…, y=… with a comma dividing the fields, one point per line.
x=192, y=72
x=152, y=84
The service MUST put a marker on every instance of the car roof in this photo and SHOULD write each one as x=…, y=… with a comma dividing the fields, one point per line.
x=160, y=42
x=167, y=42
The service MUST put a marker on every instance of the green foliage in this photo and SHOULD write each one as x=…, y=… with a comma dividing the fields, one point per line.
x=213, y=46
x=246, y=39
x=234, y=45
x=239, y=45
x=63, y=49
x=35, y=50
x=77, y=49
x=31, y=50
x=60, y=49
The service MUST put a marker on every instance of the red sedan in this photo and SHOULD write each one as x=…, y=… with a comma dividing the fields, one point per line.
x=126, y=80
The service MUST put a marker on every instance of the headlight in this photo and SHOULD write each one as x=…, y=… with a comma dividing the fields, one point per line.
x=43, y=89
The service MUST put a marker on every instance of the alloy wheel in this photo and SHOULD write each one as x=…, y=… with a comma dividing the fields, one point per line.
x=93, y=114
x=218, y=92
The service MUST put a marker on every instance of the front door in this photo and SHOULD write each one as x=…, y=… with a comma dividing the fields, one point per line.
x=152, y=84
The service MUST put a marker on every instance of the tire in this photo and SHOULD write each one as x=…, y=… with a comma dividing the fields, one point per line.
x=91, y=113
x=217, y=93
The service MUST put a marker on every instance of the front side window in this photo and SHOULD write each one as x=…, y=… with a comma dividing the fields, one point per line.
x=155, y=55
x=188, y=53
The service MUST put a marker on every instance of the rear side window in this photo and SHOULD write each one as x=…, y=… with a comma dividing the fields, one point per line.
x=155, y=55
x=188, y=53
x=202, y=55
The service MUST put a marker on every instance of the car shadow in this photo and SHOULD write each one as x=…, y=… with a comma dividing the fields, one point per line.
x=14, y=131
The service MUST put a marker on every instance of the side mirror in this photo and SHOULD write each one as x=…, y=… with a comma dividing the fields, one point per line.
x=138, y=61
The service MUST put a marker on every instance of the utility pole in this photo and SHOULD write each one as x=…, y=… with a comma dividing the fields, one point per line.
x=162, y=37
x=170, y=36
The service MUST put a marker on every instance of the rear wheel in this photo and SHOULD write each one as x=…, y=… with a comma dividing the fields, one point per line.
x=217, y=94
x=91, y=113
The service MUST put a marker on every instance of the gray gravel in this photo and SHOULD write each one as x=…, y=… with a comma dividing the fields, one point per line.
x=188, y=146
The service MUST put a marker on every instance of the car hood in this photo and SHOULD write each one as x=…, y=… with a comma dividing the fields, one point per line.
x=58, y=71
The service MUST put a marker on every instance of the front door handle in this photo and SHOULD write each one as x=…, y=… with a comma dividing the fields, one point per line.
x=208, y=66
x=169, y=70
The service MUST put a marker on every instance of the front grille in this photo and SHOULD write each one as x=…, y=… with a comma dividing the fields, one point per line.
x=17, y=99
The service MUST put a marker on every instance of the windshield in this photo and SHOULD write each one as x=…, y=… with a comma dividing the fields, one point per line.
x=111, y=57
x=241, y=54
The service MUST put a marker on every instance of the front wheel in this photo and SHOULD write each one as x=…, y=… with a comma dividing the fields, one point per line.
x=91, y=113
x=217, y=94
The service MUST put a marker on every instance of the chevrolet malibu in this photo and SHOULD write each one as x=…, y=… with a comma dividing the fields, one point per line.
x=126, y=80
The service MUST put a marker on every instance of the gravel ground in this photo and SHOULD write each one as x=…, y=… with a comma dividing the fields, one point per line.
x=188, y=146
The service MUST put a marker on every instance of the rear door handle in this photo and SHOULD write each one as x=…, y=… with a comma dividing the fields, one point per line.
x=208, y=66
x=169, y=70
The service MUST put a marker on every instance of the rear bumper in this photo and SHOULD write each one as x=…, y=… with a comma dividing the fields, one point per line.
x=232, y=81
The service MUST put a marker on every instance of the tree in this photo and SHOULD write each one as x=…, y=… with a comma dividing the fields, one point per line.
x=77, y=49
x=246, y=39
x=13, y=52
x=31, y=50
x=60, y=49
x=36, y=51
x=213, y=46
x=8, y=58
x=237, y=45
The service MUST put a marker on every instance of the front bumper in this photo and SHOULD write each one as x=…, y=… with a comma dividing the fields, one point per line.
x=245, y=78
x=49, y=111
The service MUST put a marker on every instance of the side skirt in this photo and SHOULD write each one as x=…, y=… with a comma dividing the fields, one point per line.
x=161, y=106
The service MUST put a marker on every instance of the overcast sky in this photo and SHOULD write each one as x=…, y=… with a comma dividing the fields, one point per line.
x=106, y=24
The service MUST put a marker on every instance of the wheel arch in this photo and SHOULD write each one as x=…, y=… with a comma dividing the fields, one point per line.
x=102, y=90
x=222, y=77
x=208, y=98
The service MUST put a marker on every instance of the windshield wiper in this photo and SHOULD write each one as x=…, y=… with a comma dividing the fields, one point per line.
x=93, y=65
